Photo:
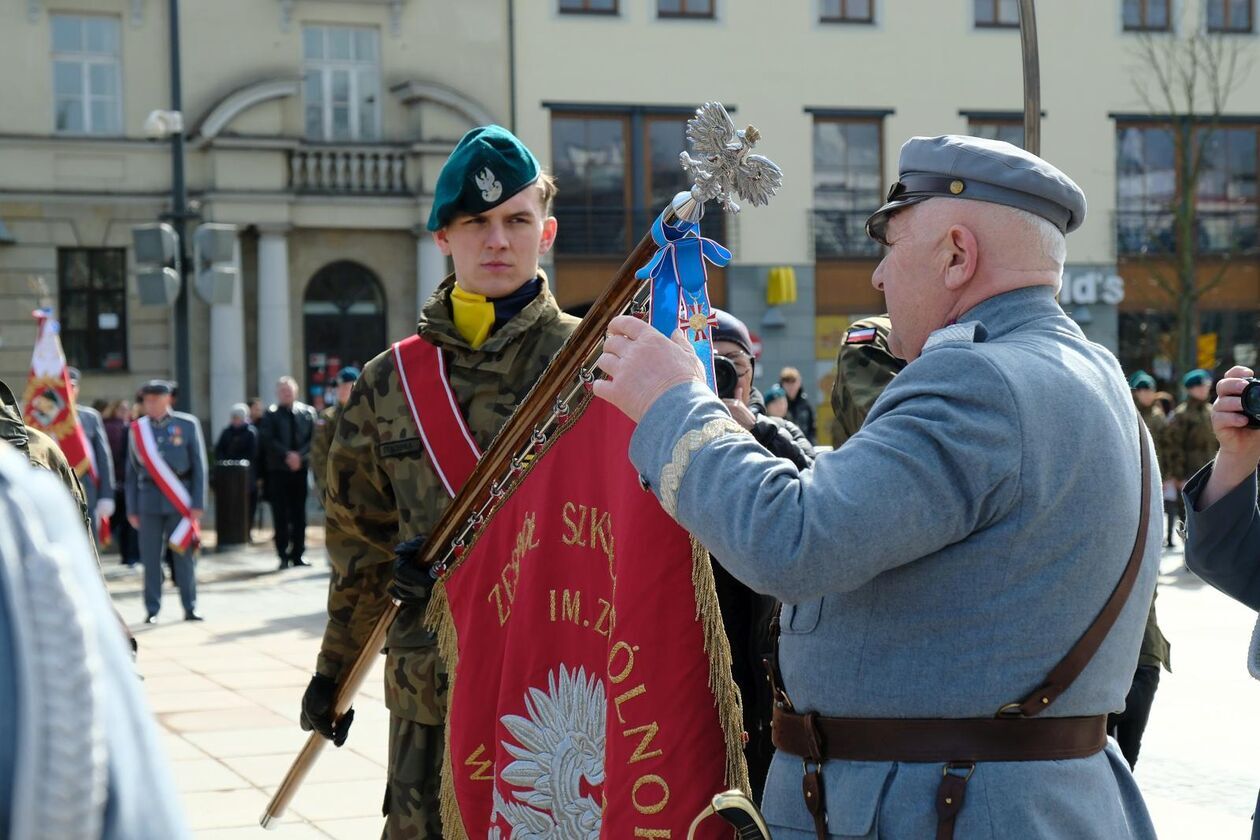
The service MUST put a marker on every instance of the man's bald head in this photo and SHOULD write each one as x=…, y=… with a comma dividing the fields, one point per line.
x=946, y=255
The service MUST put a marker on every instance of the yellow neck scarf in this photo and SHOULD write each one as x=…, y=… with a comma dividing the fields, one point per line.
x=474, y=316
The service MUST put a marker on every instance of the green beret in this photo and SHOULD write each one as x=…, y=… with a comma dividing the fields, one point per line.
x=488, y=166
x=1141, y=380
x=1198, y=376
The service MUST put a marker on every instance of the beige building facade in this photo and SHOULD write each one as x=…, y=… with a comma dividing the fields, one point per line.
x=318, y=127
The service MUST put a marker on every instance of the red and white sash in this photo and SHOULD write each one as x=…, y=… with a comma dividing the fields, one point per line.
x=188, y=532
x=434, y=409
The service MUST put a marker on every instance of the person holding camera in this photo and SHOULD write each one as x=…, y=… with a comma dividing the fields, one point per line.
x=733, y=369
x=1222, y=516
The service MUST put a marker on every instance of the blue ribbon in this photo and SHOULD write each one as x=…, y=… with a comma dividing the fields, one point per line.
x=680, y=292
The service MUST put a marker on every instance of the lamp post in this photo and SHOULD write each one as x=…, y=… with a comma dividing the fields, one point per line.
x=162, y=125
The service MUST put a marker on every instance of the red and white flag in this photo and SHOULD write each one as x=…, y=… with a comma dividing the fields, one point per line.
x=47, y=404
x=591, y=691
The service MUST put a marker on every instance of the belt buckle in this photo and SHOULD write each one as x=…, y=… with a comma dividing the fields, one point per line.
x=1011, y=710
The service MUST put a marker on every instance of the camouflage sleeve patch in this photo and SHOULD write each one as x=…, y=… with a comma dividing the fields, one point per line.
x=864, y=368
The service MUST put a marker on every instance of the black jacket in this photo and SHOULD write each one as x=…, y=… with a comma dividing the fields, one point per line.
x=238, y=443
x=284, y=430
x=780, y=437
x=801, y=412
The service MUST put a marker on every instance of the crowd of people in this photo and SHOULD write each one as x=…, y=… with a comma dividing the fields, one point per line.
x=896, y=586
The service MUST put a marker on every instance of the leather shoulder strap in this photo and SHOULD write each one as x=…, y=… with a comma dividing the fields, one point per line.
x=1070, y=667
x=442, y=428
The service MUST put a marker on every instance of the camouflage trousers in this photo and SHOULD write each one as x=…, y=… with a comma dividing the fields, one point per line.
x=415, y=780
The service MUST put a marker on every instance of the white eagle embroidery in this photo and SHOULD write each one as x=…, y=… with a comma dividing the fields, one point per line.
x=491, y=188
x=560, y=744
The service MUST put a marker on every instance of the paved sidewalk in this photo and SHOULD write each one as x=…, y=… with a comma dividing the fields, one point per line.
x=227, y=692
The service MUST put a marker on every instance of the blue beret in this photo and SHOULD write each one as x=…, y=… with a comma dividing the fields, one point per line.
x=775, y=392
x=1198, y=376
x=489, y=166
x=957, y=166
x=1141, y=379
x=348, y=374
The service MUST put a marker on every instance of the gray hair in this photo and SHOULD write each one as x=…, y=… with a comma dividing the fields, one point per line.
x=287, y=380
x=240, y=410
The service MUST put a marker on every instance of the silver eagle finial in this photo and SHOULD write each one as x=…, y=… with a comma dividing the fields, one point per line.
x=723, y=165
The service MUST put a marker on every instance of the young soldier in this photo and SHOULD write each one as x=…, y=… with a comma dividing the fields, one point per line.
x=325, y=423
x=483, y=339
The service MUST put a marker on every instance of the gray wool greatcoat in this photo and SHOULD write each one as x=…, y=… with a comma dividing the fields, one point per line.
x=939, y=564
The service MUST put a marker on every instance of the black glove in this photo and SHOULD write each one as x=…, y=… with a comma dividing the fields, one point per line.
x=317, y=711
x=412, y=582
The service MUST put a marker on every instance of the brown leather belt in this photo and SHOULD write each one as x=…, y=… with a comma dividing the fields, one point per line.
x=935, y=740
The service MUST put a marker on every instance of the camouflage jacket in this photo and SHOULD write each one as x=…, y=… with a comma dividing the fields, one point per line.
x=863, y=369
x=1189, y=439
x=382, y=489
x=321, y=440
x=1157, y=425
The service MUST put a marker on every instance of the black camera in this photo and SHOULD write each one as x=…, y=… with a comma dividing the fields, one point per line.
x=1251, y=402
x=725, y=377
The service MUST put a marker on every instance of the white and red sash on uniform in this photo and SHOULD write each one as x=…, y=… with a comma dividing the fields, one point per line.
x=187, y=533
x=434, y=409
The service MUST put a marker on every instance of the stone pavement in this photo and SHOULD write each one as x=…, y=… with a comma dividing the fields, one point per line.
x=227, y=693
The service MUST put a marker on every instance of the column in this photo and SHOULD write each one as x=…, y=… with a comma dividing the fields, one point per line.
x=430, y=266
x=227, y=353
x=274, y=347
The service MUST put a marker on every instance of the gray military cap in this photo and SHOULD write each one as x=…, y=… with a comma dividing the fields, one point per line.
x=957, y=166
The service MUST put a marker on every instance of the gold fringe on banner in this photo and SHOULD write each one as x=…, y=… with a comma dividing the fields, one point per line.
x=438, y=619
x=721, y=683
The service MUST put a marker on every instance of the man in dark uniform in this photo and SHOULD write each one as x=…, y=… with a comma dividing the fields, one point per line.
x=166, y=492
x=284, y=445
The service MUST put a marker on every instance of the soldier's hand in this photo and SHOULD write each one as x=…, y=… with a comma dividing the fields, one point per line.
x=412, y=583
x=318, y=713
x=134, y=521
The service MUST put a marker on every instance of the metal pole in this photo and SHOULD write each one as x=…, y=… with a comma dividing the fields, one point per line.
x=1032, y=76
x=179, y=218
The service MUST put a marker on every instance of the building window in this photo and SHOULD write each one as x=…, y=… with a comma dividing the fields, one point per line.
x=1146, y=15
x=609, y=195
x=848, y=181
x=92, y=291
x=1148, y=178
x=684, y=8
x=997, y=12
x=588, y=7
x=1009, y=131
x=1229, y=15
x=847, y=11
x=86, y=89
x=341, y=83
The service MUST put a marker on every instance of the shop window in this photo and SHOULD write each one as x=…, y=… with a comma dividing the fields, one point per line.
x=92, y=297
x=1146, y=15
x=847, y=11
x=1230, y=15
x=848, y=184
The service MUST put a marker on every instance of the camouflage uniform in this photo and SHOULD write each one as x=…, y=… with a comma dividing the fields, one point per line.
x=1190, y=441
x=382, y=490
x=325, y=423
x=1157, y=424
x=863, y=370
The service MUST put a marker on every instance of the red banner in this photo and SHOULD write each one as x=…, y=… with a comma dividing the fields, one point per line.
x=591, y=693
x=47, y=404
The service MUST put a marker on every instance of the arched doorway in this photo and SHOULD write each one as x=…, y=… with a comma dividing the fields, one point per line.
x=343, y=317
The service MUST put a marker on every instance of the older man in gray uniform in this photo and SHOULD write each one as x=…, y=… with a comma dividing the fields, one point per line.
x=940, y=571
x=98, y=484
x=166, y=491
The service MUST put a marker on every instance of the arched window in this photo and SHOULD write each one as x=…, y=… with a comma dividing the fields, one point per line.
x=343, y=315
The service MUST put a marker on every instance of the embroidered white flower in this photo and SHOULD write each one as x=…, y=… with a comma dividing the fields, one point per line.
x=490, y=186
